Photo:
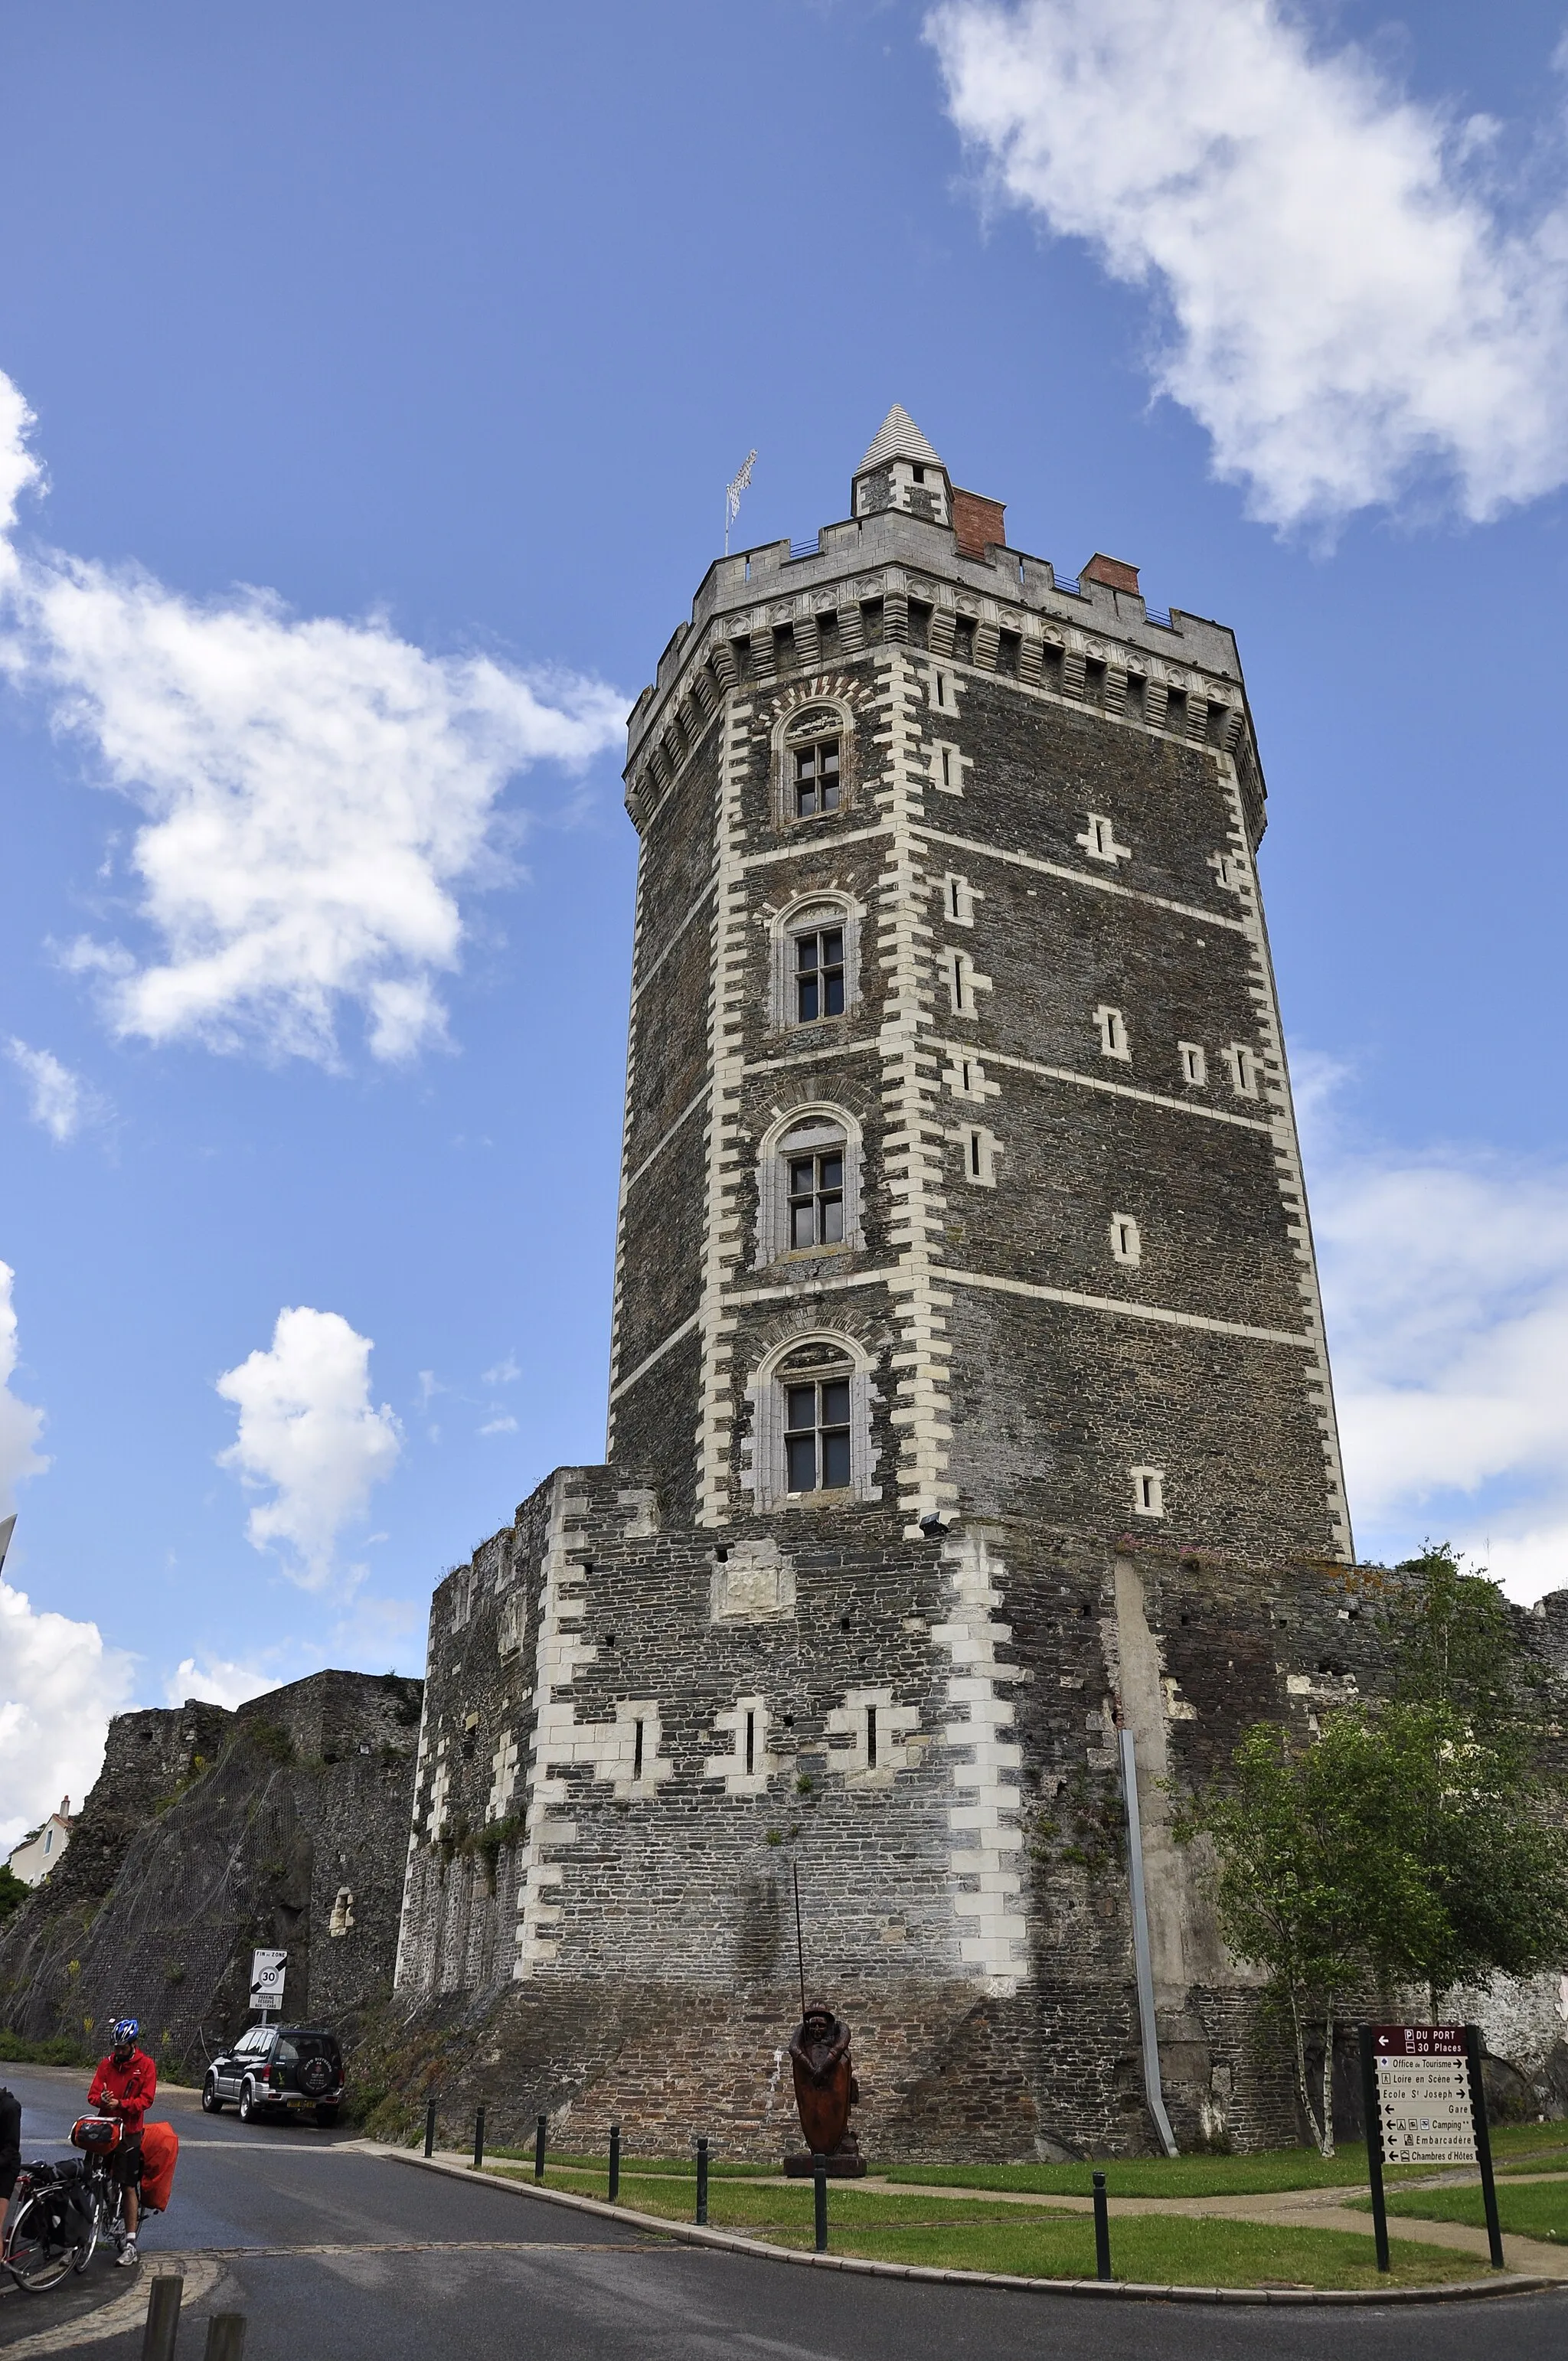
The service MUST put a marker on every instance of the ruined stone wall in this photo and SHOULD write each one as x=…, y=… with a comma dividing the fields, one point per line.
x=283, y=1825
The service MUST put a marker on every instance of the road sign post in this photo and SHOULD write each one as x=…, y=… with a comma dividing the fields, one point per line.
x=1374, y=2144
x=266, y=1980
x=1483, y=2145
x=1425, y=2104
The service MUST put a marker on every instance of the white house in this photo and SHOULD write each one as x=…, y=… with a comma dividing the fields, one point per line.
x=37, y=1855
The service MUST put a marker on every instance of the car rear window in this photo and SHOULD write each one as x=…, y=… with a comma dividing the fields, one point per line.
x=295, y=2046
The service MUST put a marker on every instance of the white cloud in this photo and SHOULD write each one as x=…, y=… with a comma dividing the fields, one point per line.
x=59, y=1100
x=313, y=793
x=505, y=1373
x=1346, y=304
x=502, y=1424
x=59, y=1685
x=309, y=1430
x=1445, y=1285
x=20, y=1424
x=217, y=1681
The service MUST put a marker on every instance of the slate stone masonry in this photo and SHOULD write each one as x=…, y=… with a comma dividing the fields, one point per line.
x=1094, y=1483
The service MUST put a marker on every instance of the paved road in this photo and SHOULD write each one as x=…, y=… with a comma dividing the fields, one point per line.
x=338, y=2254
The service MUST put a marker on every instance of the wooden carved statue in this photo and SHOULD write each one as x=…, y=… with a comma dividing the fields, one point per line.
x=824, y=2091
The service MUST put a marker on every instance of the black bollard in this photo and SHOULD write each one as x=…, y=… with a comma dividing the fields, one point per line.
x=539, y=2128
x=819, y=2180
x=162, y=2317
x=478, y=2138
x=615, y=2164
x=226, y=2337
x=429, y=2129
x=702, y=2181
x=1102, y=2230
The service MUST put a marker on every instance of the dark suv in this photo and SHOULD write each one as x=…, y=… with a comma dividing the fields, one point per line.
x=277, y=2069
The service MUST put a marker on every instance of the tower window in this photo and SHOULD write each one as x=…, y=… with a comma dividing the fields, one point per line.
x=817, y=1433
x=1148, y=1491
x=958, y=900
x=1113, y=1041
x=981, y=1149
x=1127, y=1245
x=816, y=1199
x=1243, y=1063
x=947, y=766
x=808, y=1186
x=1099, y=840
x=1194, y=1062
x=811, y=1439
x=816, y=778
x=819, y=975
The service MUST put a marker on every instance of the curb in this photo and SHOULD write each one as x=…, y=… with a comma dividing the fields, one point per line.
x=730, y=2242
x=122, y=2309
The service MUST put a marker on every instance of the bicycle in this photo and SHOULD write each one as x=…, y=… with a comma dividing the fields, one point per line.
x=65, y=2209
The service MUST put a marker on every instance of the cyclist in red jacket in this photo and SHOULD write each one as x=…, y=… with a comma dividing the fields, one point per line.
x=124, y=2087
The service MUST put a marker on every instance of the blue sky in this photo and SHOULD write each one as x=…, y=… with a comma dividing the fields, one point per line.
x=385, y=369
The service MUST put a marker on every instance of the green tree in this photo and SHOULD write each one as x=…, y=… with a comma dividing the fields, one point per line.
x=1306, y=1878
x=1451, y=1641
x=1484, y=1838
x=12, y=1893
x=1414, y=1840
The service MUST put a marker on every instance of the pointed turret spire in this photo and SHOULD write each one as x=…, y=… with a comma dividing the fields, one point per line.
x=898, y=437
x=902, y=470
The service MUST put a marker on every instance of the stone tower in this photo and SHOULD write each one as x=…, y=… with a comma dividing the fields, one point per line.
x=972, y=1441
x=955, y=1058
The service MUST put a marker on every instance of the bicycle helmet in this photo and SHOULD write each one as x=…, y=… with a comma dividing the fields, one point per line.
x=126, y=2029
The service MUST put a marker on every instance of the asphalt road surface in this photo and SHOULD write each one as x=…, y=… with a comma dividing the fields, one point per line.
x=334, y=2254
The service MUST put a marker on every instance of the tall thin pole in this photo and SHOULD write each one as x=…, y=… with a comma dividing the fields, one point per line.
x=799, y=1939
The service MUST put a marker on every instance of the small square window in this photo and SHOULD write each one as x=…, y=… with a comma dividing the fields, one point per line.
x=1126, y=1244
x=1113, y=1041
x=1243, y=1063
x=1148, y=1491
x=1194, y=1063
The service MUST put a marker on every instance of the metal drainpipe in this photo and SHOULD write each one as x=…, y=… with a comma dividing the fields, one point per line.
x=1142, y=1960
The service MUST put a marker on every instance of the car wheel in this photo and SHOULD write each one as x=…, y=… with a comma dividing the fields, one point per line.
x=248, y=2102
x=326, y=2117
x=211, y=2102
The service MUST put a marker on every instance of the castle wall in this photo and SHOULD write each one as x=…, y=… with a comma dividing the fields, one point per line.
x=574, y=1892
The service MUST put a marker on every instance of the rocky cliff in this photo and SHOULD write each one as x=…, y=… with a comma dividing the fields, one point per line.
x=284, y=1824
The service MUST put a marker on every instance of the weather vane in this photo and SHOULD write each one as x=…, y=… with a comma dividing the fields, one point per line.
x=732, y=492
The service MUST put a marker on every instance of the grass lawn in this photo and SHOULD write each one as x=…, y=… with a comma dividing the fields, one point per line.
x=1158, y=2176
x=677, y=2167
x=1038, y=2245
x=1539, y=2210
x=1530, y=2147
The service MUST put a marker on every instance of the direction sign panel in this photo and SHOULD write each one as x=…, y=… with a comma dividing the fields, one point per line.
x=1421, y=2085
x=266, y=1979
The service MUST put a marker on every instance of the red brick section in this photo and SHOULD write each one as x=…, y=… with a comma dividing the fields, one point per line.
x=1111, y=570
x=978, y=522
